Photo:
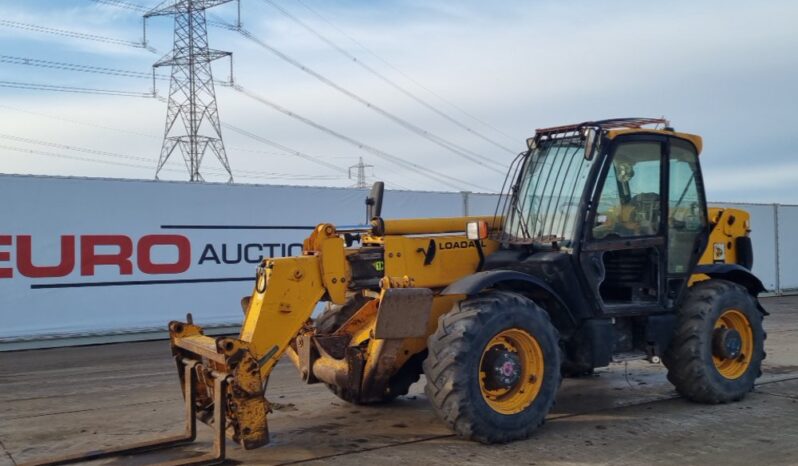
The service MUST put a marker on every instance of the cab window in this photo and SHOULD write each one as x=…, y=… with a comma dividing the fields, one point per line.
x=686, y=220
x=629, y=205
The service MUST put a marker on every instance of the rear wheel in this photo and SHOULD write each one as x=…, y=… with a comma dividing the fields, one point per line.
x=717, y=351
x=493, y=367
x=336, y=315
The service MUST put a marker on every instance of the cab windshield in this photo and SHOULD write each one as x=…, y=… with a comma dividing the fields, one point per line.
x=545, y=203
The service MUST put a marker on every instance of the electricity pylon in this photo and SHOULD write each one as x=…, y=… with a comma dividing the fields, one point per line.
x=361, y=173
x=192, y=97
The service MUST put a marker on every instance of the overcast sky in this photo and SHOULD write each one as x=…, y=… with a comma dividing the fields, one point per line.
x=726, y=70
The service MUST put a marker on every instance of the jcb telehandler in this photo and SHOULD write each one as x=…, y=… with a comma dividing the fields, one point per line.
x=601, y=247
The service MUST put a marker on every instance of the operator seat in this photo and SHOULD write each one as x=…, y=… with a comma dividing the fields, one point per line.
x=643, y=214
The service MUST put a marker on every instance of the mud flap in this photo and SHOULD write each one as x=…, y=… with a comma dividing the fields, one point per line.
x=403, y=313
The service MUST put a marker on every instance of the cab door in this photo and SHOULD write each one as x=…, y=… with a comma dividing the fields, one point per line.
x=624, y=249
x=687, y=225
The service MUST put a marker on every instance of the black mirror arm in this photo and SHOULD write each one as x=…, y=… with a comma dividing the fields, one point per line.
x=374, y=201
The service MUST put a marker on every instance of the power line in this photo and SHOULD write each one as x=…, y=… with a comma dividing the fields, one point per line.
x=73, y=148
x=143, y=9
x=106, y=162
x=284, y=150
x=76, y=90
x=77, y=67
x=150, y=161
x=25, y=61
x=405, y=75
x=450, y=146
x=78, y=122
x=448, y=180
x=300, y=154
x=418, y=169
x=73, y=34
x=71, y=157
x=122, y=4
x=387, y=80
x=277, y=145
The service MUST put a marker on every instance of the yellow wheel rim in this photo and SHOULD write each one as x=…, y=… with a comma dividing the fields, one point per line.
x=734, y=368
x=516, y=354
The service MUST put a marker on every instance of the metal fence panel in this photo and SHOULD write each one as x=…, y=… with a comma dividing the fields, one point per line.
x=788, y=248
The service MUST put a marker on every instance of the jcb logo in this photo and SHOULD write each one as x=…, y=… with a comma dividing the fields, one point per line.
x=91, y=256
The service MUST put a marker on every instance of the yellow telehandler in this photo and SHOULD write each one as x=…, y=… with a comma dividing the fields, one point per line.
x=602, y=247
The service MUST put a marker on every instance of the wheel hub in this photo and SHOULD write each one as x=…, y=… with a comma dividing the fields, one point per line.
x=502, y=368
x=726, y=343
x=511, y=371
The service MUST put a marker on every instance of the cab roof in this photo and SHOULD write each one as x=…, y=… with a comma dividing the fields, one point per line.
x=621, y=126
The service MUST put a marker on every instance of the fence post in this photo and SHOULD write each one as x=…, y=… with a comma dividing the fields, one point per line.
x=777, y=240
x=465, y=202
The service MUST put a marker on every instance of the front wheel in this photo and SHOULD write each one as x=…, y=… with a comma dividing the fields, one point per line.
x=493, y=367
x=717, y=351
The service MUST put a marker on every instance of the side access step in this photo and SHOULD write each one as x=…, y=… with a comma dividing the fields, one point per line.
x=216, y=456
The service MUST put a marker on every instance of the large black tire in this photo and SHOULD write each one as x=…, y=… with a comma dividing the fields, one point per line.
x=455, y=360
x=691, y=366
x=336, y=315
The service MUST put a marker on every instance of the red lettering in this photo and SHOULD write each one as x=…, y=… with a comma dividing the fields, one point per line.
x=89, y=259
x=144, y=259
x=5, y=256
x=25, y=259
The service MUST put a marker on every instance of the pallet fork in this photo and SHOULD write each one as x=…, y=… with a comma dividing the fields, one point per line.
x=217, y=456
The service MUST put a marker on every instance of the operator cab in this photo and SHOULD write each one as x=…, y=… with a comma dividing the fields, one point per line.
x=623, y=198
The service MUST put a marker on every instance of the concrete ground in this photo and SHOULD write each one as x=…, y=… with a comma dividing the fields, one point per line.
x=61, y=400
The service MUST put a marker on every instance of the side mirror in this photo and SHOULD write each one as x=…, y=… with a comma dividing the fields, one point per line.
x=590, y=135
x=374, y=201
x=477, y=231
